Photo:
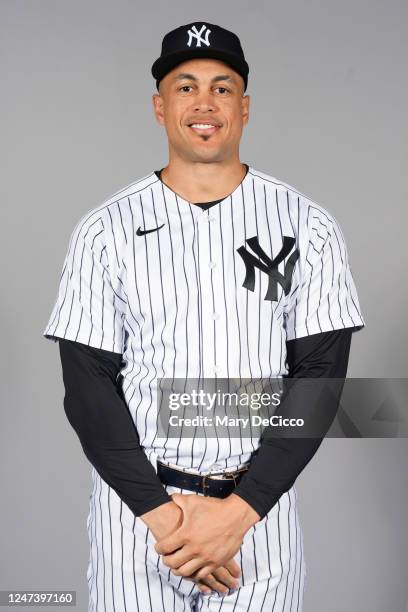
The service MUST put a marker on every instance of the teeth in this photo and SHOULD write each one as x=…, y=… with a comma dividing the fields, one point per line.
x=202, y=126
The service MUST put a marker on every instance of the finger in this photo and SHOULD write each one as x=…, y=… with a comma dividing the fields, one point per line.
x=204, y=588
x=204, y=571
x=191, y=567
x=233, y=568
x=214, y=584
x=178, y=558
x=170, y=543
x=222, y=575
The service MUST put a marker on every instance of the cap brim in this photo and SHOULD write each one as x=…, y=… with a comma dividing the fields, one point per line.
x=163, y=65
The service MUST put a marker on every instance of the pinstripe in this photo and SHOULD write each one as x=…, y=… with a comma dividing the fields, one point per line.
x=226, y=306
x=175, y=294
x=301, y=573
x=199, y=302
x=121, y=220
x=113, y=235
x=104, y=583
x=214, y=327
x=164, y=322
x=237, y=315
x=140, y=328
x=97, y=575
x=135, y=583
x=282, y=365
x=199, y=319
x=269, y=562
x=299, y=240
x=299, y=569
x=255, y=563
x=147, y=574
x=349, y=293
x=200, y=463
x=121, y=561
x=246, y=327
x=111, y=550
x=259, y=296
x=290, y=553
x=296, y=561
x=153, y=374
x=271, y=307
x=187, y=313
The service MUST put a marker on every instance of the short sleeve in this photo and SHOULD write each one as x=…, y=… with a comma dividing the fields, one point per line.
x=88, y=309
x=325, y=296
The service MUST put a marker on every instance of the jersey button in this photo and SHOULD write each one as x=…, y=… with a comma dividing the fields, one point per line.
x=211, y=264
x=216, y=369
x=215, y=316
x=211, y=218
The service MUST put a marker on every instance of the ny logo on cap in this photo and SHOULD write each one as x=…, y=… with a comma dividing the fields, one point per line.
x=194, y=33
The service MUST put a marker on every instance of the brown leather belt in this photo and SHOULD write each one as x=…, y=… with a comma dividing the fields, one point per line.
x=207, y=485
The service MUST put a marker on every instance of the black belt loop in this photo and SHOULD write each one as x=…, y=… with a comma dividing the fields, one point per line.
x=204, y=484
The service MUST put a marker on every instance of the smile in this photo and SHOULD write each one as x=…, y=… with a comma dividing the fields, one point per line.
x=204, y=128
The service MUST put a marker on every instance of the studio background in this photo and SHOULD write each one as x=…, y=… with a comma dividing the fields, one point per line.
x=328, y=91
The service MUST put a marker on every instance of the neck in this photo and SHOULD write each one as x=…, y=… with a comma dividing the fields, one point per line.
x=203, y=182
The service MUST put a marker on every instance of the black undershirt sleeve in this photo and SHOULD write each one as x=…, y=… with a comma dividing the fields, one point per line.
x=279, y=461
x=97, y=411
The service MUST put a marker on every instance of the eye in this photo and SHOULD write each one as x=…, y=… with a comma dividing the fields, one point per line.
x=184, y=87
x=223, y=88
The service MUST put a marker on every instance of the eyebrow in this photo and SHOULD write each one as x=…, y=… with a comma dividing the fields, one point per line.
x=186, y=75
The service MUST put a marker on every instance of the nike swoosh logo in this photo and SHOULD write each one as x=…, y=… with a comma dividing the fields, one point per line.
x=141, y=232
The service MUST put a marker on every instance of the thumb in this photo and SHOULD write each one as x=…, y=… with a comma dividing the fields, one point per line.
x=178, y=499
x=170, y=543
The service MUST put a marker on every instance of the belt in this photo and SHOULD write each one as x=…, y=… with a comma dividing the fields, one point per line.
x=207, y=484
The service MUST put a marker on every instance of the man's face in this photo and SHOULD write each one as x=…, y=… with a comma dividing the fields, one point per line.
x=199, y=93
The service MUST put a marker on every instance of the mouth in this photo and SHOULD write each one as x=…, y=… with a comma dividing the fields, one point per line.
x=205, y=128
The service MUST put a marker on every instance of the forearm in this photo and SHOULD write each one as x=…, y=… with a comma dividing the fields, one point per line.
x=285, y=459
x=280, y=460
x=97, y=411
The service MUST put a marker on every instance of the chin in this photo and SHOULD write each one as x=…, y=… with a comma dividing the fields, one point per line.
x=208, y=157
x=207, y=149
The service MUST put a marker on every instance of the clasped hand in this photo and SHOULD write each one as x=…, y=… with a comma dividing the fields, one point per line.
x=210, y=534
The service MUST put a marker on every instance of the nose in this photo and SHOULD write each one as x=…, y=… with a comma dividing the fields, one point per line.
x=204, y=101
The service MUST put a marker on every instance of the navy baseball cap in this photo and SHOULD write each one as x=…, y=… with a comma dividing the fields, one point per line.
x=200, y=39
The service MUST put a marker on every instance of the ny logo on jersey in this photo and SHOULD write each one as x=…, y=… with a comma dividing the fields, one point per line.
x=194, y=33
x=269, y=266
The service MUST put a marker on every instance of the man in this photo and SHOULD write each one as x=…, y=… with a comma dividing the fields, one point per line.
x=208, y=269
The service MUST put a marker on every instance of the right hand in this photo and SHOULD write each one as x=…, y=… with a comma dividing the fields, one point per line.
x=165, y=519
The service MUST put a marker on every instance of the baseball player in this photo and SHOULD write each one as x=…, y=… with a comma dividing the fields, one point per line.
x=207, y=268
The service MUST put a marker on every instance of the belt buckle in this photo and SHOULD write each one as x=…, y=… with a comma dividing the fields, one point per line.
x=205, y=485
x=234, y=475
x=231, y=476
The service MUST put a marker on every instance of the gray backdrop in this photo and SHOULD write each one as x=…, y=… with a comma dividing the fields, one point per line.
x=328, y=115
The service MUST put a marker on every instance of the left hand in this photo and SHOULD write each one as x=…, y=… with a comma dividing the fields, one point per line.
x=211, y=533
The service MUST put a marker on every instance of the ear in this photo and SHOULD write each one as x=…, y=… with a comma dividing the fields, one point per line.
x=158, y=107
x=245, y=109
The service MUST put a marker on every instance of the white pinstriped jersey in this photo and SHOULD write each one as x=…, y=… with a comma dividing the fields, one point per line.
x=181, y=301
